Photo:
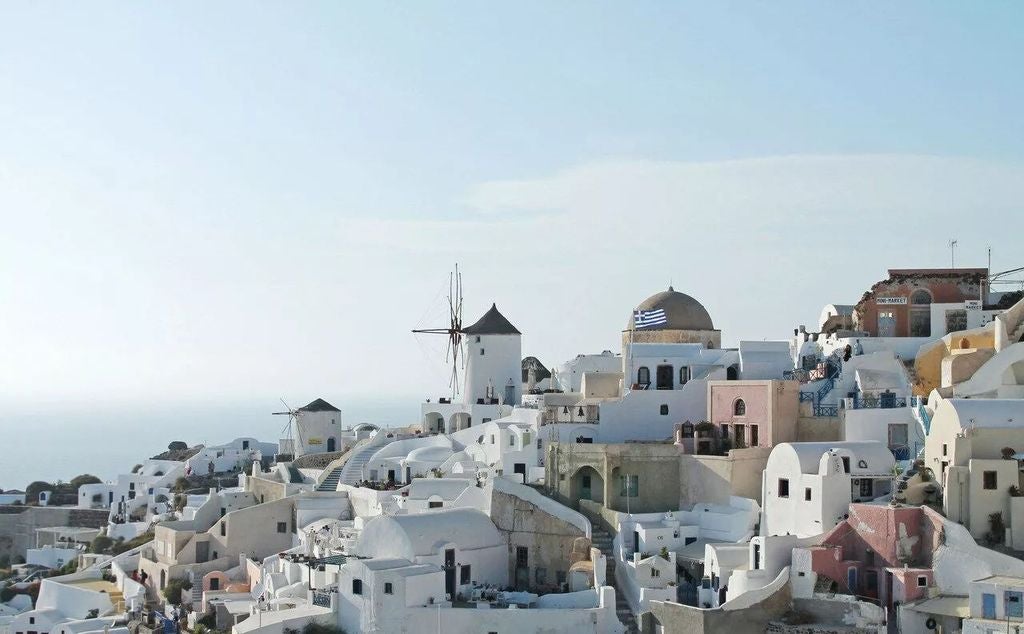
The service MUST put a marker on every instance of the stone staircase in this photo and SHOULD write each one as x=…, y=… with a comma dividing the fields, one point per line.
x=601, y=539
x=330, y=483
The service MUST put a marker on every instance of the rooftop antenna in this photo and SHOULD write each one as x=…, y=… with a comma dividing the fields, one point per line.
x=453, y=352
x=952, y=253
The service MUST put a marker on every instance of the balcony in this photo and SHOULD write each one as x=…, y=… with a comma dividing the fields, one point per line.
x=883, y=401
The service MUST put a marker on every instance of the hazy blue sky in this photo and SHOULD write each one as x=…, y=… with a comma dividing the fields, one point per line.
x=231, y=202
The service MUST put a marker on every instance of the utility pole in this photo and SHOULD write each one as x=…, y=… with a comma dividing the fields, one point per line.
x=952, y=253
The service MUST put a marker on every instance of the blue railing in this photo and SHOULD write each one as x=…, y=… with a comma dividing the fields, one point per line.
x=901, y=452
x=826, y=410
x=806, y=397
x=322, y=598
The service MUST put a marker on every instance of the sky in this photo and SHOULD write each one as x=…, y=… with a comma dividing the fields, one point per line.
x=220, y=205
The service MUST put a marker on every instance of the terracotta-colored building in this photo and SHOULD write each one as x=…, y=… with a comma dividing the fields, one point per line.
x=901, y=306
x=880, y=552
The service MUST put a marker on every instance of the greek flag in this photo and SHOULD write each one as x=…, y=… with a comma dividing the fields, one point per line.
x=648, y=318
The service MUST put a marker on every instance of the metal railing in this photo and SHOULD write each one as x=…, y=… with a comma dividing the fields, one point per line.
x=806, y=397
x=880, y=402
x=322, y=598
x=826, y=410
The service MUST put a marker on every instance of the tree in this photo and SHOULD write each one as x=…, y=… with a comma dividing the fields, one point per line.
x=136, y=468
x=100, y=544
x=180, y=485
x=177, y=445
x=172, y=592
x=33, y=490
x=85, y=478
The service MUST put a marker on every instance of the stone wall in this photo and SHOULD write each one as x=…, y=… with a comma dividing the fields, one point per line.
x=549, y=539
x=18, y=530
x=714, y=479
x=676, y=617
x=819, y=429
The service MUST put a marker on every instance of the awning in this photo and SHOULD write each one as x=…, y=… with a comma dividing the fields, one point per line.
x=945, y=606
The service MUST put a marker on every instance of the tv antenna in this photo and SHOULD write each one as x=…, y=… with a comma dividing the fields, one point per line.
x=453, y=351
x=952, y=253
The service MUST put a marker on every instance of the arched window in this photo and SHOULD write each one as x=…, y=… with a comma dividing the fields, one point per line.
x=920, y=296
x=643, y=376
x=739, y=408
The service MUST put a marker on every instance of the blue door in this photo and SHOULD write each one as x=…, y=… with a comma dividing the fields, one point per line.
x=851, y=580
x=1012, y=601
x=988, y=606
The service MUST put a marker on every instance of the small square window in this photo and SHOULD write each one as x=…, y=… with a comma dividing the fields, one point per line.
x=388, y=588
x=435, y=505
x=922, y=581
x=783, y=488
x=807, y=494
x=31, y=620
x=464, y=575
x=478, y=339
x=223, y=529
x=357, y=586
x=990, y=480
x=945, y=449
x=664, y=410
x=481, y=352
x=511, y=441
x=282, y=527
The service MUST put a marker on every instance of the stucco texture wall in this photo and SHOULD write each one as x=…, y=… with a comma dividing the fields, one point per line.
x=928, y=363
x=714, y=479
x=675, y=617
x=819, y=429
x=548, y=538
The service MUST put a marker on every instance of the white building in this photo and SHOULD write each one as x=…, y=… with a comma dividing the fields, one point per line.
x=317, y=429
x=493, y=379
x=494, y=354
x=964, y=450
x=568, y=376
x=233, y=456
x=996, y=605
x=807, y=487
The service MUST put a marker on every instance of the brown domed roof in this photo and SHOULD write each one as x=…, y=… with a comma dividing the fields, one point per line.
x=682, y=312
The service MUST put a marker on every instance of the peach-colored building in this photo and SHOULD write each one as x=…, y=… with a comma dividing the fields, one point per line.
x=754, y=413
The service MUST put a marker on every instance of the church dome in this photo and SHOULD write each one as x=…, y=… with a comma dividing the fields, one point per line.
x=682, y=312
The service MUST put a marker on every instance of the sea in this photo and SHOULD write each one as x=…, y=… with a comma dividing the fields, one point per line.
x=59, y=443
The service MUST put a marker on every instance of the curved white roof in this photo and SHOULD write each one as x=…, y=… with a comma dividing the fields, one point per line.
x=430, y=454
x=423, y=534
x=982, y=412
x=446, y=488
x=808, y=454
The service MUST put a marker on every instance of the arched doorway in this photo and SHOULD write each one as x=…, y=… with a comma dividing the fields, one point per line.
x=459, y=421
x=433, y=423
x=920, y=313
x=587, y=484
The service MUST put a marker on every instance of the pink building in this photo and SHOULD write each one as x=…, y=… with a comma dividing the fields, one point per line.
x=754, y=413
x=881, y=553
